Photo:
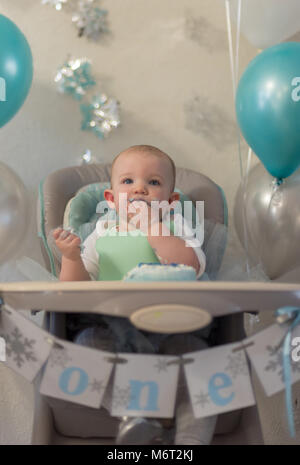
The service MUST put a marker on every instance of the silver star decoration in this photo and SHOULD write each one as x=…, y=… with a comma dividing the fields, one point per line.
x=202, y=399
x=161, y=365
x=97, y=386
x=59, y=357
x=19, y=348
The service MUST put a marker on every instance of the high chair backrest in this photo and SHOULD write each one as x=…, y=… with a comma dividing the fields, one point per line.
x=59, y=187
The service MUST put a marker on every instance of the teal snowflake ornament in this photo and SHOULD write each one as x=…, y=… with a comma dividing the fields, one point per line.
x=90, y=20
x=101, y=116
x=74, y=78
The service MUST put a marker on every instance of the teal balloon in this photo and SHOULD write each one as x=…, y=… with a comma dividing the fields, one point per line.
x=268, y=108
x=16, y=69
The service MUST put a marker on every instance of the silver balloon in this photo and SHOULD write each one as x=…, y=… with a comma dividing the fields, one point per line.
x=267, y=220
x=14, y=213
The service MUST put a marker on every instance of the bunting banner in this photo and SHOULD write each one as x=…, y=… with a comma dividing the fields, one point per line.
x=217, y=378
x=265, y=351
x=77, y=374
x=145, y=386
x=27, y=346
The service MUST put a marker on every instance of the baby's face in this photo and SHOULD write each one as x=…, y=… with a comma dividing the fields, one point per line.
x=141, y=177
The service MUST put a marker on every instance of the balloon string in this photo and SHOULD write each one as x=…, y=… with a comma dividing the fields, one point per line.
x=234, y=75
x=234, y=65
x=245, y=232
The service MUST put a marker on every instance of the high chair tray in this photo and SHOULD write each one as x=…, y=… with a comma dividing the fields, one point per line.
x=124, y=298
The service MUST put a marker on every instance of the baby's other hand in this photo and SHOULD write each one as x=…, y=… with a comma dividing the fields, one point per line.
x=68, y=243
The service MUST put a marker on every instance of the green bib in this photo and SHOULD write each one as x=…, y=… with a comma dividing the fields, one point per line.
x=120, y=253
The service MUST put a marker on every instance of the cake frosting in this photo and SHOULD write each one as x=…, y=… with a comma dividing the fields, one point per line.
x=160, y=272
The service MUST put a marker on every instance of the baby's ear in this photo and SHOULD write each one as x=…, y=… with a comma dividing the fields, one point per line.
x=174, y=197
x=109, y=197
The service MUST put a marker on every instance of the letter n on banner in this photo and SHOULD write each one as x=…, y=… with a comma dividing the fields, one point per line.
x=218, y=380
x=145, y=386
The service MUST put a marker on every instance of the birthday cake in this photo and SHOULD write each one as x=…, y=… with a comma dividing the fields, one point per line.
x=159, y=272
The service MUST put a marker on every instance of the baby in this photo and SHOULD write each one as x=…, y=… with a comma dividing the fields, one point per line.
x=140, y=175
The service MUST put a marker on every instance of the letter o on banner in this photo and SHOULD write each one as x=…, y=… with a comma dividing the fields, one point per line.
x=65, y=380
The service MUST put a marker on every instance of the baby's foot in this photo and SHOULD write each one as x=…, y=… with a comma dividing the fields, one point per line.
x=139, y=431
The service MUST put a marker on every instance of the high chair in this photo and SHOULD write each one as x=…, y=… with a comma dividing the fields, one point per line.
x=61, y=422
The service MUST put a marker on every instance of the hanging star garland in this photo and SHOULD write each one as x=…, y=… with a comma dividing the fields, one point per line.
x=90, y=20
x=101, y=116
x=74, y=78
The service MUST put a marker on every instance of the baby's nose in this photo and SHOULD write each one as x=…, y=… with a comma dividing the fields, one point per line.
x=140, y=188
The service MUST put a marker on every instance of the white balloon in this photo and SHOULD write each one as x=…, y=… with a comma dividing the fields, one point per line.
x=14, y=213
x=267, y=22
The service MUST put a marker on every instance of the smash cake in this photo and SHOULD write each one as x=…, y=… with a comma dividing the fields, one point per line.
x=160, y=272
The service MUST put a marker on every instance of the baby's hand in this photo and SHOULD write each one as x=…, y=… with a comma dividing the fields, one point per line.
x=68, y=244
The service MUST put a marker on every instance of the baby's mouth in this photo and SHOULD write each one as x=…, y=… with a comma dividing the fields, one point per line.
x=140, y=200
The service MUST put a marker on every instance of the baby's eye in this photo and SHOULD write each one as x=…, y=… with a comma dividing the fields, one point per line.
x=155, y=182
x=127, y=181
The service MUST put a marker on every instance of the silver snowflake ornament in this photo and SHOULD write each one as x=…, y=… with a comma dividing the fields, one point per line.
x=90, y=20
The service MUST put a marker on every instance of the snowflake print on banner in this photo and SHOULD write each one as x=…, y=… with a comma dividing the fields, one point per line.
x=237, y=365
x=202, y=399
x=27, y=345
x=275, y=362
x=266, y=356
x=59, y=357
x=20, y=348
x=121, y=396
x=161, y=364
x=97, y=386
x=73, y=373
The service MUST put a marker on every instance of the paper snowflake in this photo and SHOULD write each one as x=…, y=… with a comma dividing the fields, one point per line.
x=101, y=116
x=19, y=348
x=74, y=77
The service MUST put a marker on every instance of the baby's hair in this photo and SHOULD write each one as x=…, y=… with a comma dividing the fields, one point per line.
x=153, y=151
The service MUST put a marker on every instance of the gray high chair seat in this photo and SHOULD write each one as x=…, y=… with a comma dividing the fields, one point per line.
x=73, y=423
